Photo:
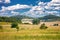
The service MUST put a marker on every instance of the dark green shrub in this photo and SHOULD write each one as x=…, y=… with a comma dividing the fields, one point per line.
x=15, y=25
x=36, y=21
x=43, y=26
x=55, y=25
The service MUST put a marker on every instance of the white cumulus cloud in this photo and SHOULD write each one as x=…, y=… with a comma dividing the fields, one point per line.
x=45, y=8
x=55, y=1
x=15, y=7
x=52, y=7
x=5, y=1
x=54, y=4
x=14, y=13
x=11, y=9
x=35, y=11
x=0, y=1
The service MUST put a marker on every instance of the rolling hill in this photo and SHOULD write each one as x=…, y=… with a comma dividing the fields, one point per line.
x=18, y=18
x=50, y=18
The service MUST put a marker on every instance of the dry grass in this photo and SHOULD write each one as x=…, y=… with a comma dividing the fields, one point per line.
x=29, y=32
x=30, y=35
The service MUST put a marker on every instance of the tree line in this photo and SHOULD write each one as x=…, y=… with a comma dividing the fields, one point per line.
x=9, y=19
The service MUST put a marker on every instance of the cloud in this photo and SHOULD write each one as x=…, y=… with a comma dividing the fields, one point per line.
x=57, y=8
x=42, y=9
x=15, y=7
x=51, y=12
x=35, y=11
x=11, y=9
x=4, y=13
x=55, y=1
x=9, y=13
x=41, y=3
x=54, y=4
x=14, y=13
x=52, y=7
x=0, y=1
x=5, y=1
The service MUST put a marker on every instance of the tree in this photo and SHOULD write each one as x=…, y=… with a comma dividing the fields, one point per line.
x=43, y=26
x=15, y=25
x=55, y=25
x=36, y=21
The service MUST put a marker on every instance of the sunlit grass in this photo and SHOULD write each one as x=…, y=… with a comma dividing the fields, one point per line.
x=28, y=32
x=30, y=35
x=19, y=36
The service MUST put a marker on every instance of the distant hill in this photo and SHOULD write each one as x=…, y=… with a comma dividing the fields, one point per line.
x=50, y=18
x=18, y=18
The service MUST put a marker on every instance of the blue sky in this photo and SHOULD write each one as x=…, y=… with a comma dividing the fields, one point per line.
x=34, y=8
x=27, y=2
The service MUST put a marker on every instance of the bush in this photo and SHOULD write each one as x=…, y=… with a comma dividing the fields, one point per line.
x=36, y=21
x=43, y=26
x=55, y=25
x=15, y=25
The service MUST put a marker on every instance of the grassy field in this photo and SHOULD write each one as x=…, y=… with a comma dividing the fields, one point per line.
x=29, y=32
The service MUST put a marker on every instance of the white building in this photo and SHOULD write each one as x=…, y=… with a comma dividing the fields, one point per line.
x=29, y=21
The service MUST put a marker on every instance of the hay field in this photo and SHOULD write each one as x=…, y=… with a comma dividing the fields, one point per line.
x=29, y=32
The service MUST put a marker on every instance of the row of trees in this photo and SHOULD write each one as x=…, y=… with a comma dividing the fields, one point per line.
x=9, y=19
x=18, y=20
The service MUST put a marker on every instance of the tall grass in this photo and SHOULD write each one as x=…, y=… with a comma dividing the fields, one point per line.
x=25, y=33
x=27, y=37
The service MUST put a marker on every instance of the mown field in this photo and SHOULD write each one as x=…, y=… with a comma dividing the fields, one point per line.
x=29, y=32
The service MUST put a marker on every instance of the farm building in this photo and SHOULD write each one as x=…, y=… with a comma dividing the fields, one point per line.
x=27, y=21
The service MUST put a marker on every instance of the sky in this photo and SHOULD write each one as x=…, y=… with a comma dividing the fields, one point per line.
x=33, y=8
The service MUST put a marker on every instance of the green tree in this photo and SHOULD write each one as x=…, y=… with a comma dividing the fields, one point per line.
x=43, y=26
x=15, y=25
x=36, y=21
